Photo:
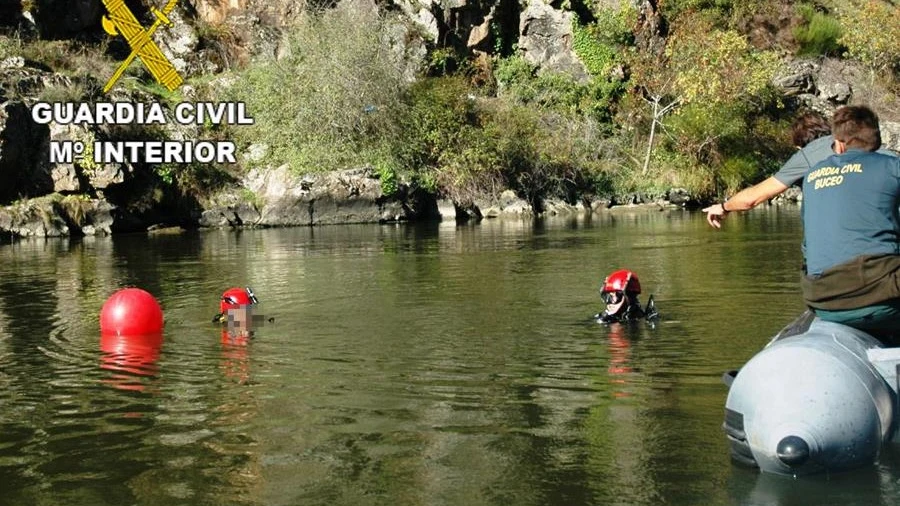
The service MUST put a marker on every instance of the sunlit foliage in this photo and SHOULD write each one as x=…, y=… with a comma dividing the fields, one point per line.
x=714, y=66
x=872, y=33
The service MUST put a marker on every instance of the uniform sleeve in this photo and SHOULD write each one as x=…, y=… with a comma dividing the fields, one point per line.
x=793, y=170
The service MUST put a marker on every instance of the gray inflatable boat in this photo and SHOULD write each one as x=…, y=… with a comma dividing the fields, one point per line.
x=823, y=400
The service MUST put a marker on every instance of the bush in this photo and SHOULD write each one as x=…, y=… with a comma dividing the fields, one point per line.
x=819, y=35
x=335, y=101
x=465, y=146
x=674, y=169
x=697, y=133
x=734, y=172
x=715, y=10
x=872, y=34
x=598, y=56
x=520, y=83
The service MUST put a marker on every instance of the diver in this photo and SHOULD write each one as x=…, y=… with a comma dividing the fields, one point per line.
x=236, y=311
x=233, y=300
x=620, y=292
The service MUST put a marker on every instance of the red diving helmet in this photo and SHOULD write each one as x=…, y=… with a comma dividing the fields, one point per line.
x=617, y=283
x=235, y=298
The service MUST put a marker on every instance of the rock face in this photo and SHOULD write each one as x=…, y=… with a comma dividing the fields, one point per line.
x=545, y=38
x=58, y=216
x=216, y=12
x=179, y=44
x=121, y=196
x=279, y=198
x=825, y=85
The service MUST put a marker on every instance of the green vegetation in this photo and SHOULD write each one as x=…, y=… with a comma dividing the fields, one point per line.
x=710, y=9
x=820, y=34
x=698, y=112
x=872, y=34
x=335, y=100
x=600, y=44
x=76, y=207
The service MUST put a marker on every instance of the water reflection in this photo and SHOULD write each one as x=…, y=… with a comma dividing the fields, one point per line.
x=132, y=360
x=235, y=363
x=771, y=490
x=410, y=365
x=619, y=358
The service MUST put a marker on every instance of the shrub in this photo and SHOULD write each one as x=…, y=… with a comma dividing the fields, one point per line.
x=715, y=10
x=698, y=134
x=438, y=119
x=718, y=67
x=334, y=100
x=10, y=46
x=734, y=172
x=820, y=33
x=465, y=146
x=599, y=57
x=872, y=33
x=520, y=83
x=674, y=169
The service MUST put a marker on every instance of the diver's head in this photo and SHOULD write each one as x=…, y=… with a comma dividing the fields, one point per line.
x=237, y=298
x=620, y=290
x=236, y=306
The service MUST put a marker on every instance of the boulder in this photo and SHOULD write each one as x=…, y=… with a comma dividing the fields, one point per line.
x=799, y=77
x=64, y=175
x=545, y=39
x=505, y=204
x=215, y=12
x=33, y=218
x=890, y=135
x=230, y=209
x=99, y=218
x=178, y=43
x=286, y=199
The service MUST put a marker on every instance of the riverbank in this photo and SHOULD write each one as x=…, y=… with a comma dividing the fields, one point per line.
x=367, y=112
x=277, y=198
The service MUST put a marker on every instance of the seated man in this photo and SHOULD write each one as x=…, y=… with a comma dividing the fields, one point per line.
x=851, y=229
x=620, y=294
x=811, y=135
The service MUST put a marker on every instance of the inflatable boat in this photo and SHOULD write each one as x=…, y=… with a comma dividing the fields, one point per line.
x=822, y=400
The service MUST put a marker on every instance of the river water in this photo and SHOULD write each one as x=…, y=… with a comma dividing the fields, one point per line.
x=403, y=365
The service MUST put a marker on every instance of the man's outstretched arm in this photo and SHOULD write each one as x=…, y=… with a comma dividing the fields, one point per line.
x=744, y=200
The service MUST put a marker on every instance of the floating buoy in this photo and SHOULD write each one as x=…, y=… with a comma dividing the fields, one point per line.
x=131, y=311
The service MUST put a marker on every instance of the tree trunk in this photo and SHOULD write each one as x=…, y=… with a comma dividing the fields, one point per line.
x=652, y=135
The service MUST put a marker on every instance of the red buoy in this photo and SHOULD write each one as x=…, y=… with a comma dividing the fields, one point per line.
x=131, y=311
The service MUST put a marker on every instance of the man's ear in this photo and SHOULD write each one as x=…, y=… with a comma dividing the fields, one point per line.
x=838, y=147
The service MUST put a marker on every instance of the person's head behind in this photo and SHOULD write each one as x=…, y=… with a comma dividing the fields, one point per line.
x=857, y=127
x=808, y=127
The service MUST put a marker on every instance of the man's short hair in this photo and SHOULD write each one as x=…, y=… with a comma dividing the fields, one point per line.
x=857, y=127
x=808, y=127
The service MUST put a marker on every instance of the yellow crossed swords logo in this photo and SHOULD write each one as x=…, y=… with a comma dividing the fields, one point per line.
x=122, y=21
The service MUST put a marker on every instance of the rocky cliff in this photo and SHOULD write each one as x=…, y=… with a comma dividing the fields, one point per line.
x=42, y=197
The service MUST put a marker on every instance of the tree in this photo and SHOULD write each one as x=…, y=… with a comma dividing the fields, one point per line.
x=656, y=87
x=713, y=71
x=716, y=67
x=872, y=34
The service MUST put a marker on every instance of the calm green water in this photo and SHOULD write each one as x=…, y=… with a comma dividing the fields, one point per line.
x=407, y=365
